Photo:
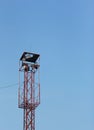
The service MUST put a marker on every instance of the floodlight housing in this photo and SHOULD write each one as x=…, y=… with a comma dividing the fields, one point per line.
x=29, y=57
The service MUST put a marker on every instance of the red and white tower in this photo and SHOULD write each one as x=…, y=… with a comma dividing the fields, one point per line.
x=29, y=88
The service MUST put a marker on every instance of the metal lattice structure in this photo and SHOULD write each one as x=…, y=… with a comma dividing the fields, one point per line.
x=29, y=88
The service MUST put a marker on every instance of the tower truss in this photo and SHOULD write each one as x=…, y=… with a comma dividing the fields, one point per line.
x=29, y=88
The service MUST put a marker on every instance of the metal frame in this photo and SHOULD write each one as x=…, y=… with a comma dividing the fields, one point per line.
x=29, y=92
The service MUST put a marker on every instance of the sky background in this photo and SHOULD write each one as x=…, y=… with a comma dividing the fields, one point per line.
x=62, y=32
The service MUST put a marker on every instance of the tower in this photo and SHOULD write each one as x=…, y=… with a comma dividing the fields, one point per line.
x=29, y=88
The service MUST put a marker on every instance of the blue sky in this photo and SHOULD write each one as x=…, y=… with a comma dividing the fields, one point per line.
x=62, y=31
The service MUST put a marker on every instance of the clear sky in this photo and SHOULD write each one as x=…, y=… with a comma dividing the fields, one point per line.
x=62, y=31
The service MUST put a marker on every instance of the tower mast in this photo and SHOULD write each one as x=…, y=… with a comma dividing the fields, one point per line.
x=29, y=88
